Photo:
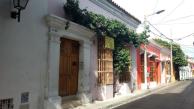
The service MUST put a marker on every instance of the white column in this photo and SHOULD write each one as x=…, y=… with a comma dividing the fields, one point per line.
x=133, y=68
x=84, y=72
x=53, y=100
x=145, y=67
x=53, y=70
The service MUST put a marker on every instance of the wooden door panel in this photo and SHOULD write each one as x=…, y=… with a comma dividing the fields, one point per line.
x=69, y=67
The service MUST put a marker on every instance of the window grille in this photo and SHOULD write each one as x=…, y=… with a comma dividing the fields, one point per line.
x=6, y=103
x=105, y=63
x=25, y=97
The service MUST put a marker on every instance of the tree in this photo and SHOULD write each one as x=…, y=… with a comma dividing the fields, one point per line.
x=179, y=58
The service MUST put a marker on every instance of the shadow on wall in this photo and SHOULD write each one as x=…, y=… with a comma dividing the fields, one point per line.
x=5, y=9
x=180, y=97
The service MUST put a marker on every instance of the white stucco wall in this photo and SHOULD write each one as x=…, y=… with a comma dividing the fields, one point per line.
x=56, y=8
x=24, y=50
x=23, y=53
x=109, y=11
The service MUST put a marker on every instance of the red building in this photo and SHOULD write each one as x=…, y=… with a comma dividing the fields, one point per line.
x=151, y=54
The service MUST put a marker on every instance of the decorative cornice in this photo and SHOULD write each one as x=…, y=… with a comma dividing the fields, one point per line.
x=57, y=24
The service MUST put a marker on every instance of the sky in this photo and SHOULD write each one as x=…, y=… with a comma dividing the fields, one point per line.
x=177, y=21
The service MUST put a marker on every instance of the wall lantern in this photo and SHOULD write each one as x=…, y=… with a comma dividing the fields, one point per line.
x=19, y=5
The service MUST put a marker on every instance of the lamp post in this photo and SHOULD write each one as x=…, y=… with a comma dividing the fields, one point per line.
x=145, y=48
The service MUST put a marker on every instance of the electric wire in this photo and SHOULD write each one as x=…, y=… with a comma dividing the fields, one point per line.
x=188, y=52
x=164, y=36
x=172, y=10
x=159, y=31
x=180, y=18
x=184, y=37
x=181, y=23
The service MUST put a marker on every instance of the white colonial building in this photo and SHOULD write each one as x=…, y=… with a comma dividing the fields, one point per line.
x=37, y=51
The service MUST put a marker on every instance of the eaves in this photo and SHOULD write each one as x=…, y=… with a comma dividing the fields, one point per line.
x=111, y=8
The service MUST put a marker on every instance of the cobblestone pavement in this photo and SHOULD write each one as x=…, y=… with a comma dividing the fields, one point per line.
x=177, y=97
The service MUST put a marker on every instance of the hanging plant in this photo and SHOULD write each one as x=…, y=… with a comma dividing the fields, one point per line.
x=107, y=27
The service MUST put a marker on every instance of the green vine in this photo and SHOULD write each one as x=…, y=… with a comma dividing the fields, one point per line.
x=121, y=60
x=107, y=27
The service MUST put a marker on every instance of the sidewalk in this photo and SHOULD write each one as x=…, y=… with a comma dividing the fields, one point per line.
x=117, y=101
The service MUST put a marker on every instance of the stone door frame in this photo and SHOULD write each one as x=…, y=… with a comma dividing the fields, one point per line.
x=76, y=32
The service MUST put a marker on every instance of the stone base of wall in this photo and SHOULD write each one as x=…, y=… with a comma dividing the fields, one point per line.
x=149, y=85
x=105, y=92
x=124, y=89
x=85, y=97
x=152, y=84
x=53, y=103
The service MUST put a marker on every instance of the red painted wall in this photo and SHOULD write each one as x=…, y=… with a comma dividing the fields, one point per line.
x=150, y=49
x=156, y=51
x=138, y=59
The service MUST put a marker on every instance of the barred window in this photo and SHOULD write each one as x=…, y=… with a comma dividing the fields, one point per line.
x=6, y=103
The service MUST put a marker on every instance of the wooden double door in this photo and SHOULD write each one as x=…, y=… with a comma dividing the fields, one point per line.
x=69, y=67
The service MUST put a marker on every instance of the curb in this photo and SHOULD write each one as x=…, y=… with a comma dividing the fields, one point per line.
x=142, y=95
x=118, y=101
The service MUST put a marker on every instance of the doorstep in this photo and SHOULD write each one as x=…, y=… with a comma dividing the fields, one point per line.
x=70, y=102
x=119, y=100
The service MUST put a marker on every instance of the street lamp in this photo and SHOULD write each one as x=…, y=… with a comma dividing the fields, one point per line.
x=19, y=5
x=145, y=48
x=158, y=12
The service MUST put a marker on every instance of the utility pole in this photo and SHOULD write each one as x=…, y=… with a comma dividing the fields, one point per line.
x=145, y=56
x=171, y=57
x=145, y=49
x=171, y=60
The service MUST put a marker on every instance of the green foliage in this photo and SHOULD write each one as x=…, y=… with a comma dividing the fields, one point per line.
x=107, y=27
x=121, y=60
x=179, y=58
x=75, y=14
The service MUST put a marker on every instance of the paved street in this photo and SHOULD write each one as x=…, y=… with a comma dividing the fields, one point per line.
x=180, y=96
